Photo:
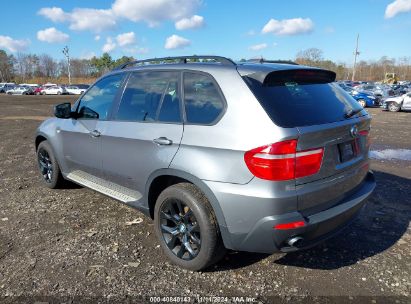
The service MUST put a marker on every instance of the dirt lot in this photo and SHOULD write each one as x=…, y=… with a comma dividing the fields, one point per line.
x=74, y=242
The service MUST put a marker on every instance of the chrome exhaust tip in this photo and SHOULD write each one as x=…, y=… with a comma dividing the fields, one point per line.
x=293, y=242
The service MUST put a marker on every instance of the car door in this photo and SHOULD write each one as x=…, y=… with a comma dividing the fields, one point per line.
x=406, y=105
x=146, y=129
x=81, y=135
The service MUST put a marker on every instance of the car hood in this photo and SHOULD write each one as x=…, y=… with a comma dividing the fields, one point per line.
x=396, y=99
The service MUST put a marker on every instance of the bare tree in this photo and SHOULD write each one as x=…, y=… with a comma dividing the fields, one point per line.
x=6, y=66
x=310, y=55
x=48, y=66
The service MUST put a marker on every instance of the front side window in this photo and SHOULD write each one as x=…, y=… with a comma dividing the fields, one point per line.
x=97, y=102
x=202, y=99
x=151, y=96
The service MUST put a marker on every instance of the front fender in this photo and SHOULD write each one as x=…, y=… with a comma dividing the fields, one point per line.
x=49, y=130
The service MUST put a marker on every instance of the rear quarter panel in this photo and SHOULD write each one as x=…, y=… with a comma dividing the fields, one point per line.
x=216, y=152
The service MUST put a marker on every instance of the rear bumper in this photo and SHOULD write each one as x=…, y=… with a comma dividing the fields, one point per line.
x=319, y=226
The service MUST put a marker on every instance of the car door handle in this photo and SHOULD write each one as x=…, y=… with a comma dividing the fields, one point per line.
x=95, y=133
x=163, y=141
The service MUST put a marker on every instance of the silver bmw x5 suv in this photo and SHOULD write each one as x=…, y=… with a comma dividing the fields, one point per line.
x=259, y=156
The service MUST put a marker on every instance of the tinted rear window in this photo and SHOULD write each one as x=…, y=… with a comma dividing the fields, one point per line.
x=302, y=101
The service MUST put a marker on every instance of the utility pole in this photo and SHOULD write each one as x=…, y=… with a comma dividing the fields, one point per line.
x=356, y=53
x=66, y=53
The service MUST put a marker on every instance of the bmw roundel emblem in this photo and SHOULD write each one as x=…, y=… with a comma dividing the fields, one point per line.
x=354, y=131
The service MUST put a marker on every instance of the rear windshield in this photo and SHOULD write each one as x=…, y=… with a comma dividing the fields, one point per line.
x=302, y=101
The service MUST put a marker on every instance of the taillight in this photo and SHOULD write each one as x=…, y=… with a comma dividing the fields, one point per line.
x=366, y=133
x=281, y=161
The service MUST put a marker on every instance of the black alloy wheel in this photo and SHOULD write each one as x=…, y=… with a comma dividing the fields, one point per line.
x=180, y=229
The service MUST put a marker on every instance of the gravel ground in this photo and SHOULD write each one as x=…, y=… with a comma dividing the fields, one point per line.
x=75, y=243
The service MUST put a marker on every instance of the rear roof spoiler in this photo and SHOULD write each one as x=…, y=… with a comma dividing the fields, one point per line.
x=293, y=73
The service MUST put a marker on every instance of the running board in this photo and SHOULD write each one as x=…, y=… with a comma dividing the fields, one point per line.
x=113, y=190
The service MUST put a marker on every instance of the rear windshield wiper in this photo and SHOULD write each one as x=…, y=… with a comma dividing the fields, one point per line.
x=352, y=112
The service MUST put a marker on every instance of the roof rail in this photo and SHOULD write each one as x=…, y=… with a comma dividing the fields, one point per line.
x=178, y=59
x=262, y=60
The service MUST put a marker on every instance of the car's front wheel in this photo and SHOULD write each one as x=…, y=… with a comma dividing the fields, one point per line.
x=393, y=107
x=362, y=103
x=187, y=228
x=49, y=168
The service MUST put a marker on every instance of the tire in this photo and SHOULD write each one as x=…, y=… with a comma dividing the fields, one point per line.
x=38, y=93
x=48, y=166
x=393, y=107
x=9, y=93
x=362, y=103
x=59, y=93
x=195, y=224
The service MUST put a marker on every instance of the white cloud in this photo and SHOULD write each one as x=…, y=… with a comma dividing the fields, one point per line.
x=97, y=37
x=176, y=42
x=329, y=30
x=152, y=12
x=397, y=7
x=126, y=39
x=155, y=11
x=95, y=20
x=13, y=45
x=52, y=35
x=109, y=46
x=190, y=23
x=82, y=19
x=55, y=14
x=258, y=47
x=288, y=26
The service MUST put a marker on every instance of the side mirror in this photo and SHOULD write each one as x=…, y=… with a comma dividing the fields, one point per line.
x=63, y=110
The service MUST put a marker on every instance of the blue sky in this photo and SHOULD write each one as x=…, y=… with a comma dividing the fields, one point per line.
x=236, y=29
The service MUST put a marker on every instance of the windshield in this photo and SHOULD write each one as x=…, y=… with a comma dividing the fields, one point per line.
x=293, y=104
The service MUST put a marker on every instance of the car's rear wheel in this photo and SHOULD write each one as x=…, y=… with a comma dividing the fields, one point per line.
x=187, y=228
x=362, y=103
x=58, y=93
x=38, y=93
x=393, y=107
x=49, y=168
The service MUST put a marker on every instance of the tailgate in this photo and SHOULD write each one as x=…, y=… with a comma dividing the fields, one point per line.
x=344, y=164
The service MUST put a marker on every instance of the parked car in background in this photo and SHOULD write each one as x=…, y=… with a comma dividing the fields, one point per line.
x=54, y=90
x=395, y=104
x=32, y=85
x=75, y=90
x=364, y=99
x=285, y=168
x=5, y=86
x=48, y=84
x=82, y=86
x=38, y=90
x=20, y=90
x=379, y=90
x=400, y=89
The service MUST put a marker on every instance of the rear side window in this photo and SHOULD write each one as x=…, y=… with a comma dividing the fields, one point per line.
x=202, y=100
x=151, y=96
x=294, y=98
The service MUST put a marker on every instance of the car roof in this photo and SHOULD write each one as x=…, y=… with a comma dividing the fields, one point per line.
x=259, y=69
